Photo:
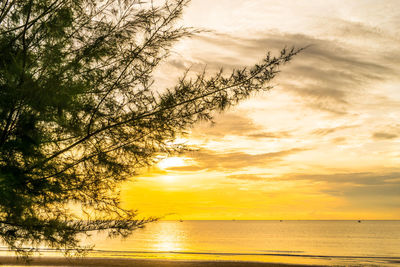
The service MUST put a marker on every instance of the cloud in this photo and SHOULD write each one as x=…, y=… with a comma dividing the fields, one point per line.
x=339, y=140
x=324, y=59
x=384, y=136
x=327, y=76
x=218, y=161
x=235, y=124
x=353, y=178
x=357, y=31
x=364, y=188
x=349, y=180
x=246, y=177
x=278, y=134
x=227, y=124
x=326, y=131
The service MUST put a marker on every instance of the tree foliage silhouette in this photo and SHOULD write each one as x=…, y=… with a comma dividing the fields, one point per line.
x=79, y=114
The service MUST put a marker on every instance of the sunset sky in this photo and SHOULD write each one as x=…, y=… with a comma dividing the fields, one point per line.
x=324, y=143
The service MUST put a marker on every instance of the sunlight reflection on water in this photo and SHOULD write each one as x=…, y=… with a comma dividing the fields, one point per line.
x=169, y=238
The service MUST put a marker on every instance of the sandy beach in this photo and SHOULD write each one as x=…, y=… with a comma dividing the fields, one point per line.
x=117, y=262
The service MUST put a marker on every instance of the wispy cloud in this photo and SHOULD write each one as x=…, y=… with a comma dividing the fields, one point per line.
x=238, y=125
x=384, y=136
x=330, y=130
x=247, y=177
x=221, y=161
x=374, y=188
x=354, y=178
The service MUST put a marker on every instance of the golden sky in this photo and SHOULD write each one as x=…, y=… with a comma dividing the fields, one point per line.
x=323, y=144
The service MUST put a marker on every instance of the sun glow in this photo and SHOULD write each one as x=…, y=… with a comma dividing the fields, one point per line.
x=168, y=178
x=171, y=162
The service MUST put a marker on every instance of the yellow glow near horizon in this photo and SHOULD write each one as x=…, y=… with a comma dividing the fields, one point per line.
x=168, y=178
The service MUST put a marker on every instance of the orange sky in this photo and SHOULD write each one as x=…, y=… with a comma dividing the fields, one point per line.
x=323, y=144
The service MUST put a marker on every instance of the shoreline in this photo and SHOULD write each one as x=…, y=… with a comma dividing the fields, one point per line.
x=121, y=262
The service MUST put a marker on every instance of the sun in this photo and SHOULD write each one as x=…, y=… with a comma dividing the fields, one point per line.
x=171, y=162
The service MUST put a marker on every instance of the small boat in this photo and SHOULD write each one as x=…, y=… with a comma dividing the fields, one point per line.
x=180, y=220
x=359, y=221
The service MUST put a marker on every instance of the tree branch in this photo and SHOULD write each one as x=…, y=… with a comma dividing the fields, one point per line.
x=145, y=115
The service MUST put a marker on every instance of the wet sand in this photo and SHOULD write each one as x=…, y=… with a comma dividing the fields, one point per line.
x=118, y=262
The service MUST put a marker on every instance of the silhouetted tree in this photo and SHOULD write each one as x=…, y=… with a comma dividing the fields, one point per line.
x=79, y=115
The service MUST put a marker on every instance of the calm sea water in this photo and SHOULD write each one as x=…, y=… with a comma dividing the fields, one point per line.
x=311, y=242
x=375, y=243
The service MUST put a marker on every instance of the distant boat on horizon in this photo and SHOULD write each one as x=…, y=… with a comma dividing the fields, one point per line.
x=359, y=221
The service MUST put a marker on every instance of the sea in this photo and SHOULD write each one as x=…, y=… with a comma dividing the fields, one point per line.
x=338, y=243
